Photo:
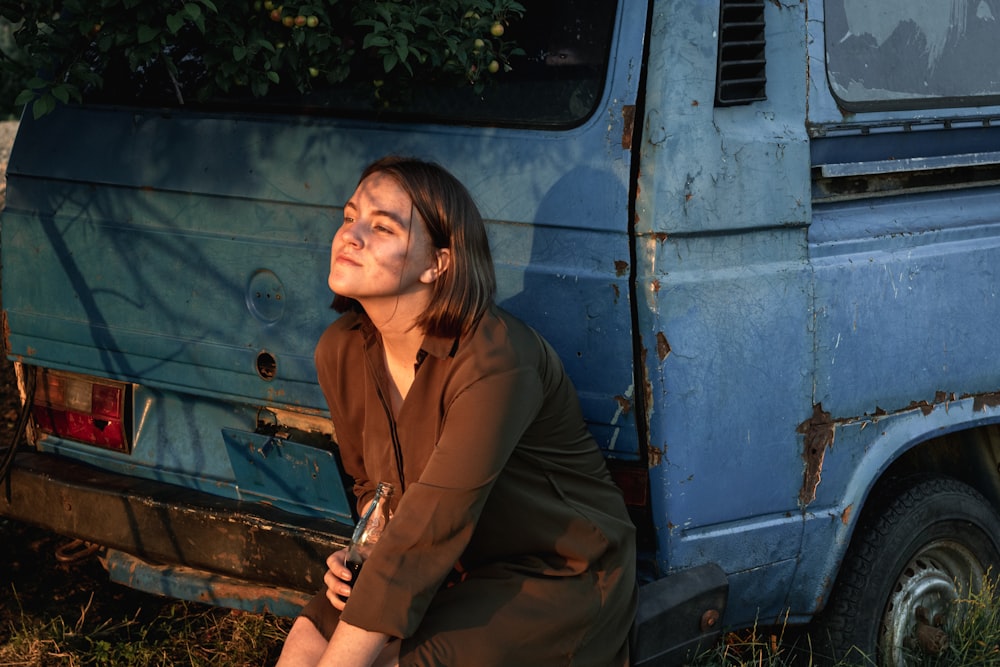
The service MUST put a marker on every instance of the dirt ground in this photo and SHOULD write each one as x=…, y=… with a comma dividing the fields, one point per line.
x=34, y=584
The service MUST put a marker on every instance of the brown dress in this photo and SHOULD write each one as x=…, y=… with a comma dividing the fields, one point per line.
x=509, y=545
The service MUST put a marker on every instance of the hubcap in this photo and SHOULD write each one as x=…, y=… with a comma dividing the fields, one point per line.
x=935, y=577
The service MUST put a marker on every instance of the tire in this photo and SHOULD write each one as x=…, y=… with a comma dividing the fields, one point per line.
x=931, y=544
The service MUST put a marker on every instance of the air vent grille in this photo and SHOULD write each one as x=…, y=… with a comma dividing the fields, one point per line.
x=741, y=77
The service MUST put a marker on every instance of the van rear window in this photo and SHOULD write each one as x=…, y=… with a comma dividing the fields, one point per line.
x=553, y=77
x=908, y=54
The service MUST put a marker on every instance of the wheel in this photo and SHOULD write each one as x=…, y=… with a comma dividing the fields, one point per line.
x=930, y=545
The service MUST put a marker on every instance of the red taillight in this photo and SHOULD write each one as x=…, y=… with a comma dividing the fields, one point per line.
x=82, y=408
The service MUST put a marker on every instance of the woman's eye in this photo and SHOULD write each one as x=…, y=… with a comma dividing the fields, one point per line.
x=348, y=220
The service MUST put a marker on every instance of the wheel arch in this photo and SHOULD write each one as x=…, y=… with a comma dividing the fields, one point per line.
x=960, y=440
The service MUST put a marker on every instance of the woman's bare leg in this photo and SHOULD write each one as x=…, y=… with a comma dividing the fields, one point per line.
x=304, y=645
x=389, y=657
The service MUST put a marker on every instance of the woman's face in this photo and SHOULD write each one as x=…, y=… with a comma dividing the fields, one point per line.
x=382, y=250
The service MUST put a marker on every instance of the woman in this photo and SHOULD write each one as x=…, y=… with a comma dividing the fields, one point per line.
x=509, y=544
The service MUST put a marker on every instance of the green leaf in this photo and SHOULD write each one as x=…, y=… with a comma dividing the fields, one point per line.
x=193, y=11
x=61, y=93
x=148, y=33
x=372, y=39
x=210, y=5
x=175, y=22
x=239, y=52
x=273, y=76
x=43, y=105
x=389, y=61
x=24, y=97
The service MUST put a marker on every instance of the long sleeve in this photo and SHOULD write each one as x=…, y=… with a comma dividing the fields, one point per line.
x=438, y=513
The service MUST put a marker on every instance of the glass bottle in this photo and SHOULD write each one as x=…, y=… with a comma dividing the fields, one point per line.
x=369, y=529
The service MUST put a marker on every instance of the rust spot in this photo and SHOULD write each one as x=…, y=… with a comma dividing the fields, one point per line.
x=661, y=237
x=655, y=456
x=694, y=103
x=662, y=346
x=647, y=386
x=923, y=406
x=618, y=292
x=818, y=431
x=656, y=285
x=982, y=401
x=845, y=516
x=624, y=403
x=621, y=267
x=628, y=125
x=943, y=397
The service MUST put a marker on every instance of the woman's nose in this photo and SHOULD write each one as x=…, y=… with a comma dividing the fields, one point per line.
x=350, y=235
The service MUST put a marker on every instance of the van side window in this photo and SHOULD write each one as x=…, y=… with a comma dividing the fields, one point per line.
x=905, y=54
x=554, y=80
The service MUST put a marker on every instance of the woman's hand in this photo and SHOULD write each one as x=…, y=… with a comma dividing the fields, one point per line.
x=336, y=579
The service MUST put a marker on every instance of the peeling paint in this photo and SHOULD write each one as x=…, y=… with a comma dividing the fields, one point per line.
x=819, y=432
x=624, y=404
x=923, y=406
x=647, y=389
x=628, y=126
x=621, y=267
x=982, y=401
x=655, y=456
x=662, y=346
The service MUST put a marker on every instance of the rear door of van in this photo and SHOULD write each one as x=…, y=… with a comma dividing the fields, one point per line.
x=164, y=277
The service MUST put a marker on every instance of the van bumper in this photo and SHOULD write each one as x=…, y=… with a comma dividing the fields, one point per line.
x=170, y=525
x=678, y=616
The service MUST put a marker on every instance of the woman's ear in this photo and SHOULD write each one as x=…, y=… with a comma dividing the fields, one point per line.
x=441, y=262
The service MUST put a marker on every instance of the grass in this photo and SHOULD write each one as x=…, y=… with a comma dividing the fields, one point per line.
x=973, y=627
x=181, y=633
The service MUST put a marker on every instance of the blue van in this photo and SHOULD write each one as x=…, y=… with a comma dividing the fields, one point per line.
x=763, y=236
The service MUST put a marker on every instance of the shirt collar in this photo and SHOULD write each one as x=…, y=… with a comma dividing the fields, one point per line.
x=436, y=346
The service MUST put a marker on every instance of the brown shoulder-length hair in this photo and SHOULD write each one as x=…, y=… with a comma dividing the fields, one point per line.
x=461, y=294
